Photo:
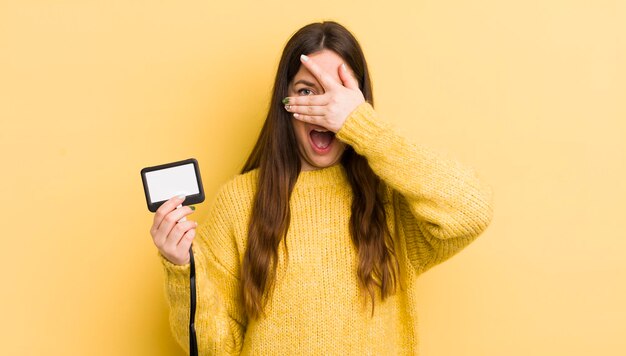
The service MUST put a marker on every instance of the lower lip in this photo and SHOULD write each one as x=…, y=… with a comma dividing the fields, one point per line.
x=321, y=151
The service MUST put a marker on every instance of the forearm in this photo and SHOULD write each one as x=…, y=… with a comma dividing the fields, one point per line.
x=447, y=198
x=217, y=333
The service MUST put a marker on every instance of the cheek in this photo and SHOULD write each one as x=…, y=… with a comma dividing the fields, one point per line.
x=298, y=129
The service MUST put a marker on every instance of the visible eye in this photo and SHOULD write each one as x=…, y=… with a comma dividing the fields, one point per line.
x=305, y=91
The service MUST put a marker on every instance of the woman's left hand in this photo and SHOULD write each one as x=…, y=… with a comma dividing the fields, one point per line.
x=331, y=109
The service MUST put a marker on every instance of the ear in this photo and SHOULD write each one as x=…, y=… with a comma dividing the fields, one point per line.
x=347, y=79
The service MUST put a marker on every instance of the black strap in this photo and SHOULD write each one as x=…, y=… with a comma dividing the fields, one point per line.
x=193, y=342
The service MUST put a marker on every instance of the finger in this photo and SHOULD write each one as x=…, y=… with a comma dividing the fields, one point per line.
x=318, y=100
x=347, y=78
x=164, y=209
x=307, y=110
x=316, y=120
x=326, y=80
x=173, y=238
x=186, y=240
x=182, y=249
x=172, y=218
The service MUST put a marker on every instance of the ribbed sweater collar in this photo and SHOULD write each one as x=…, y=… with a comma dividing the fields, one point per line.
x=329, y=176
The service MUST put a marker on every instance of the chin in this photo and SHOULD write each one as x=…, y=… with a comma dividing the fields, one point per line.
x=324, y=163
x=319, y=161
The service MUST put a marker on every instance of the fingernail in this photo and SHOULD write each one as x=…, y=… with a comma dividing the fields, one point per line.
x=196, y=224
x=287, y=107
x=286, y=101
x=181, y=196
x=192, y=207
x=295, y=114
x=304, y=58
x=343, y=66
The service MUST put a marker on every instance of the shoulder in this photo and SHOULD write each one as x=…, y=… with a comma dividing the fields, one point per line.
x=230, y=209
x=240, y=187
x=223, y=232
x=237, y=194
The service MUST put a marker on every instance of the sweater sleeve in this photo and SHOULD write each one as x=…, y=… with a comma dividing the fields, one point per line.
x=220, y=319
x=439, y=205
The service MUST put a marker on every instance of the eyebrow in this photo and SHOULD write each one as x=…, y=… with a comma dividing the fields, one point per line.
x=305, y=82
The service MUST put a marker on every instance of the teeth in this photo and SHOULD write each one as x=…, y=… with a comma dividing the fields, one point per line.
x=320, y=130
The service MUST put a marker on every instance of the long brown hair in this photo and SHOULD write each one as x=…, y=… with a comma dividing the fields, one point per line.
x=276, y=156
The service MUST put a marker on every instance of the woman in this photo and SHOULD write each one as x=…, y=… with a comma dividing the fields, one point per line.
x=316, y=247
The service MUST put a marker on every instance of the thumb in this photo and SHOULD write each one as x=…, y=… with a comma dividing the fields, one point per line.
x=347, y=79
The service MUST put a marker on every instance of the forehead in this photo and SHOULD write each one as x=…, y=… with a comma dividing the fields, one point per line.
x=327, y=60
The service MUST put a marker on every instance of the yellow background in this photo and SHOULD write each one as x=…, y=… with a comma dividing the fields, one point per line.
x=530, y=93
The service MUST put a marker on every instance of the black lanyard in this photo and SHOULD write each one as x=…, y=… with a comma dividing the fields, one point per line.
x=193, y=342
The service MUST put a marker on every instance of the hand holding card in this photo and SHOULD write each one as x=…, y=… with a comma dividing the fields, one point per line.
x=169, y=188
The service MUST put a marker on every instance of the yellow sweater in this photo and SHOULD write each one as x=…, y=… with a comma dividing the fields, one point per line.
x=435, y=207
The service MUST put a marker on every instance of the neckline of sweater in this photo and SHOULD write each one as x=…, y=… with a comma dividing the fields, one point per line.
x=328, y=176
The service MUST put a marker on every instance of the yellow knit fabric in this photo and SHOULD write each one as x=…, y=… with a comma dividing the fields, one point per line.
x=435, y=207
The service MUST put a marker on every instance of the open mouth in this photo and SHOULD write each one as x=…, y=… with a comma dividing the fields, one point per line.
x=321, y=139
